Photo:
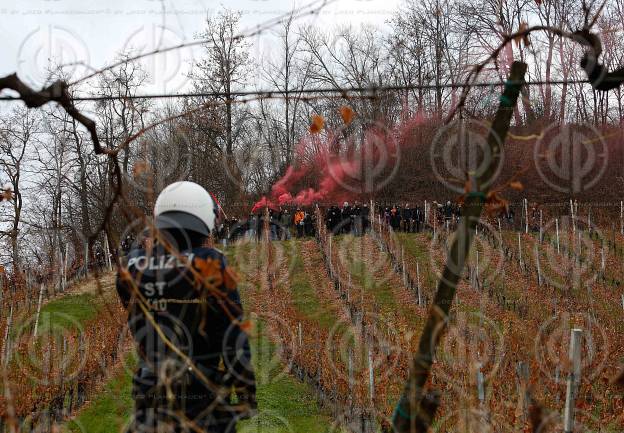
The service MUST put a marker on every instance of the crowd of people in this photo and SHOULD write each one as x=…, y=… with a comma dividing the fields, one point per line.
x=354, y=219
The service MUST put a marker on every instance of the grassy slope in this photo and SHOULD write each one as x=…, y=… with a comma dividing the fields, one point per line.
x=69, y=311
x=371, y=271
x=285, y=404
x=303, y=290
x=111, y=409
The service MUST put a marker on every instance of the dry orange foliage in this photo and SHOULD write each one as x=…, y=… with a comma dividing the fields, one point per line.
x=347, y=114
x=318, y=122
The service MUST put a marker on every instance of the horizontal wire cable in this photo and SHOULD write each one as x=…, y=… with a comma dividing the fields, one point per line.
x=276, y=93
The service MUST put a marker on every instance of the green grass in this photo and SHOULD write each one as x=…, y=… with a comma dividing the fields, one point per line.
x=382, y=292
x=61, y=315
x=304, y=293
x=414, y=245
x=69, y=312
x=417, y=246
x=112, y=408
x=285, y=404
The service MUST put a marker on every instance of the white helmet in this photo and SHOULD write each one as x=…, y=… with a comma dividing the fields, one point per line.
x=185, y=205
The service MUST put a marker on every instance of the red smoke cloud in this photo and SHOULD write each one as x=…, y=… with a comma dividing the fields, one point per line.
x=344, y=174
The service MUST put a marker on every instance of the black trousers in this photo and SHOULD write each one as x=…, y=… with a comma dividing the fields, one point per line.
x=184, y=407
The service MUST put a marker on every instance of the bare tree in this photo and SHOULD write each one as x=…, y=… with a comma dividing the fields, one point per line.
x=16, y=135
x=225, y=67
x=287, y=73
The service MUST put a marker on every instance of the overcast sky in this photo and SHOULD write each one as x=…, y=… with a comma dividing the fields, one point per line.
x=37, y=33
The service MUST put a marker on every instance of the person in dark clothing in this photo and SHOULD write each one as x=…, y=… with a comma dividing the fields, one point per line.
x=259, y=219
x=395, y=219
x=386, y=215
x=308, y=225
x=365, y=216
x=273, y=224
x=236, y=229
x=345, y=218
x=126, y=244
x=285, y=222
x=418, y=217
x=184, y=313
x=447, y=212
x=406, y=218
x=509, y=216
x=356, y=219
x=332, y=218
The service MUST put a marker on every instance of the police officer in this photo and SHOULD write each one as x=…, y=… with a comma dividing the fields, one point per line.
x=185, y=315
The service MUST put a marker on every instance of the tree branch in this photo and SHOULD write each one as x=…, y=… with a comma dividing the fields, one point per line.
x=56, y=92
x=416, y=409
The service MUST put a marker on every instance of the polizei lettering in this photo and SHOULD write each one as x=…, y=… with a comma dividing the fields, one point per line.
x=152, y=263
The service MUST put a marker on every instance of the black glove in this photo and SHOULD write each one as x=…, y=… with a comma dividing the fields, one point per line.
x=247, y=404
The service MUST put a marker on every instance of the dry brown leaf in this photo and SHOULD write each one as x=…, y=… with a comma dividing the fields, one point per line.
x=347, y=114
x=618, y=380
x=7, y=195
x=318, y=122
x=517, y=185
x=247, y=326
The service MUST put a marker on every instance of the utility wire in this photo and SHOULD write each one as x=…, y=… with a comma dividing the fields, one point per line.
x=345, y=92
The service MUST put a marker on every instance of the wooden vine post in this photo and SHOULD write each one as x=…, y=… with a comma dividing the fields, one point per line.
x=557, y=228
x=108, y=253
x=416, y=408
x=418, y=284
x=5, y=354
x=526, y=216
x=574, y=380
x=622, y=217
x=38, y=310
